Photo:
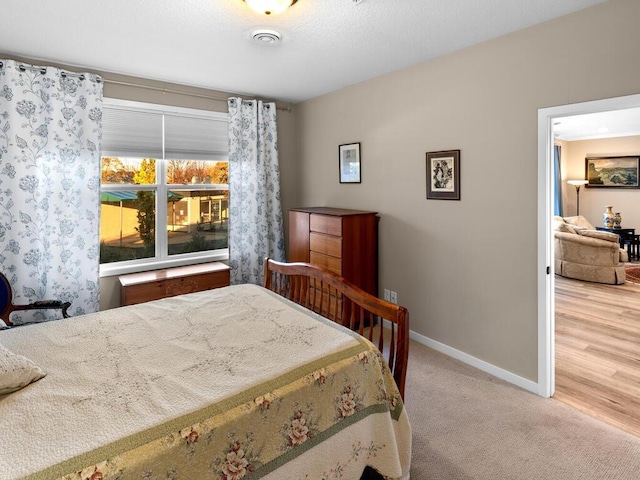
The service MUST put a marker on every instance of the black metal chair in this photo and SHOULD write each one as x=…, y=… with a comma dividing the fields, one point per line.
x=7, y=306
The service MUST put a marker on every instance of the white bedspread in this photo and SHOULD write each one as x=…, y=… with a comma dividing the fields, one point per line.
x=113, y=374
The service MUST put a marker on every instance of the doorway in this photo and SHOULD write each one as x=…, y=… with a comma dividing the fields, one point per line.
x=546, y=191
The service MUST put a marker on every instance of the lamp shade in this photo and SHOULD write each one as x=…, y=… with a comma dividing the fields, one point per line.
x=577, y=182
x=269, y=7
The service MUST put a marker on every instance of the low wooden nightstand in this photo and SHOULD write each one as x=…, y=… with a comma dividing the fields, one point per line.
x=156, y=284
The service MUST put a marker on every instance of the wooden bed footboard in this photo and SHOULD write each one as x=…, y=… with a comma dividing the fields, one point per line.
x=383, y=323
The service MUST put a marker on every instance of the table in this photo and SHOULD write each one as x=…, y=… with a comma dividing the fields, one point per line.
x=628, y=238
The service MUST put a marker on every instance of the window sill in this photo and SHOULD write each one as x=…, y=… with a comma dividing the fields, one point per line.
x=110, y=270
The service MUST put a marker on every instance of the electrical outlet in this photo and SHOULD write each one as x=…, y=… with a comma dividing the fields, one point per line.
x=393, y=297
x=387, y=295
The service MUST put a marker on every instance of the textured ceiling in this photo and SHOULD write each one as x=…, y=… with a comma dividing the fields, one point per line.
x=326, y=44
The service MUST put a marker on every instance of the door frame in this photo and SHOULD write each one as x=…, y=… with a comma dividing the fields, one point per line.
x=546, y=189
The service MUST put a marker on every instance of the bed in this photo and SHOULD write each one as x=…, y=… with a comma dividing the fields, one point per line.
x=233, y=383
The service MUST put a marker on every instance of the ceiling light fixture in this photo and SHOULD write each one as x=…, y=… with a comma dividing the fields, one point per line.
x=269, y=7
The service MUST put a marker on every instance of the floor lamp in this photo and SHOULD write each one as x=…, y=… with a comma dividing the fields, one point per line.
x=577, y=184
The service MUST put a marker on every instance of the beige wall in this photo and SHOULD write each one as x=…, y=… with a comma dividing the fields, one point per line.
x=593, y=200
x=466, y=269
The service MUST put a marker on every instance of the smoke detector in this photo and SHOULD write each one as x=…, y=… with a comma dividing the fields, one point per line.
x=266, y=37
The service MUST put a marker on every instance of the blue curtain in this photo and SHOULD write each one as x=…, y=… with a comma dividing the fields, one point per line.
x=557, y=175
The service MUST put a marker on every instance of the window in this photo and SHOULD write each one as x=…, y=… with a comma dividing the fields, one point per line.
x=164, y=187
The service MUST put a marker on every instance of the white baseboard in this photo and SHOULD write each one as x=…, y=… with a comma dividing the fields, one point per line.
x=476, y=363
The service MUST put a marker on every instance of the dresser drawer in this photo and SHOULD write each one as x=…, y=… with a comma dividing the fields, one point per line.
x=154, y=285
x=327, y=244
x=330, y=263
x=326, y=224
x=145, y=292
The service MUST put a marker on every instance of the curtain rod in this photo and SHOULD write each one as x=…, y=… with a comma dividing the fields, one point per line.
x=178, y=92
x=43, y=71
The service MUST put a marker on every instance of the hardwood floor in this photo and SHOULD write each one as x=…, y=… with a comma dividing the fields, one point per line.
x=598, y=350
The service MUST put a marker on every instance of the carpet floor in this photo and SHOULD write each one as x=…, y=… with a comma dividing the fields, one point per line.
x=468, y=425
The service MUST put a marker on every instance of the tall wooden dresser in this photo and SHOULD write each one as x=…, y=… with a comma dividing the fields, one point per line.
x=341, y=240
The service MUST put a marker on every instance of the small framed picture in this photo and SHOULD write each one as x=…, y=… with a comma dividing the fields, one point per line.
x=443, y=175
x=612, y=172
x=349, y=163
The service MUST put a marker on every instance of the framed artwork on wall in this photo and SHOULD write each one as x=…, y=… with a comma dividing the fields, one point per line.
x=349, y=163
x=612, y=172
x=443, y=175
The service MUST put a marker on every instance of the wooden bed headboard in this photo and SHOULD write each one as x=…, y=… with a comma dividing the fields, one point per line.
x=339, y=300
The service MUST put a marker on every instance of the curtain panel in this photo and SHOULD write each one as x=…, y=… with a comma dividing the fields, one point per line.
x=50, y=128
x=557, y=173
x=255, y=213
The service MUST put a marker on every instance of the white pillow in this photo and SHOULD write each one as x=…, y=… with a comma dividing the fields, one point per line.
x=16, y=371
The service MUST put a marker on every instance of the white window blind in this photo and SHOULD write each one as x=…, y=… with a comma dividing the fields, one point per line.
x=132, y=132
x=193, y=138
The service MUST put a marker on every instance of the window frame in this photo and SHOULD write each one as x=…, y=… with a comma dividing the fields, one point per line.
x=162, y=259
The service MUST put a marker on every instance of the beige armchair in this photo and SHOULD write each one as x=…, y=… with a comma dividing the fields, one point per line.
x=587, y=254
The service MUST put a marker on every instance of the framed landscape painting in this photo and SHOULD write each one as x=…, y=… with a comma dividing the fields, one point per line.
x=612, y=172
x=443, y=175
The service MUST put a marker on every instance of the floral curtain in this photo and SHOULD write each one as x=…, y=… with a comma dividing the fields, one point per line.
x=50, y=128
x=255, y=214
